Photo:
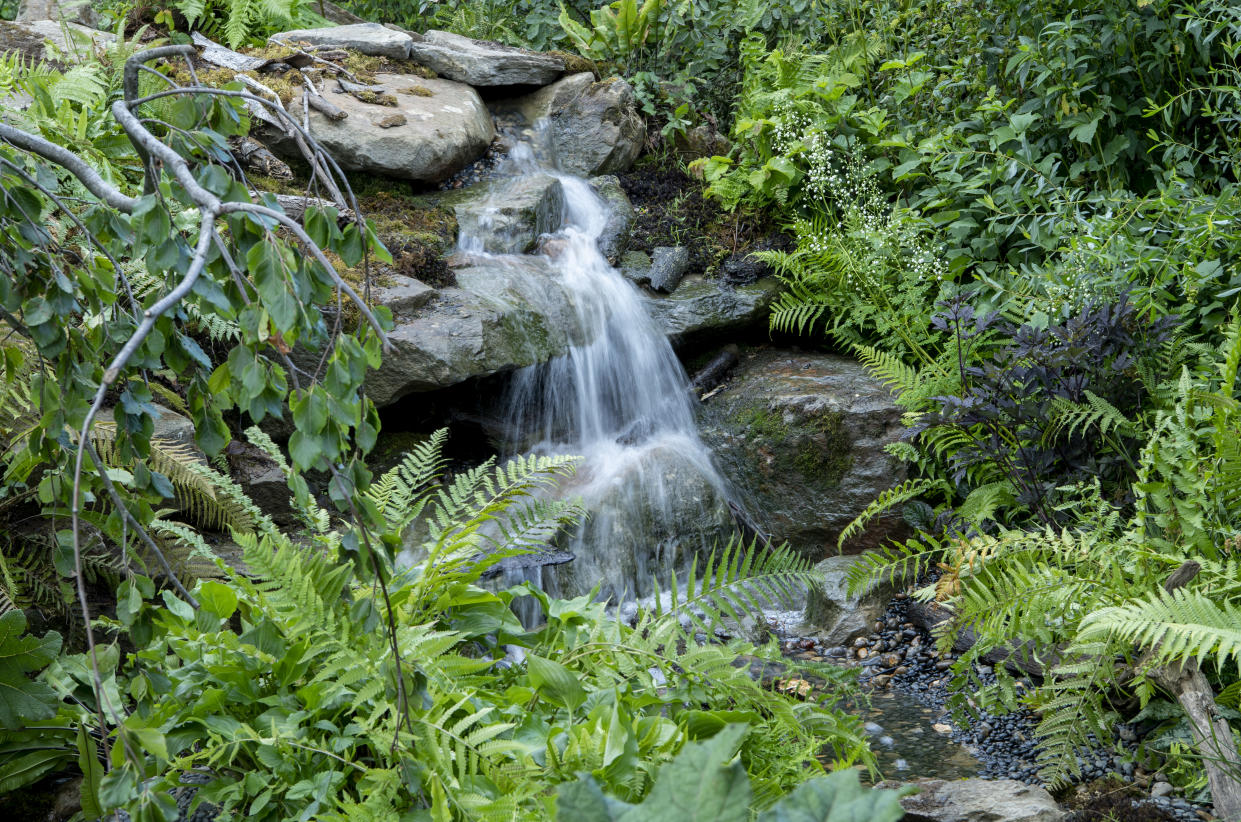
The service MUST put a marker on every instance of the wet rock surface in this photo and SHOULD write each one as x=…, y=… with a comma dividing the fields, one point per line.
x=502, y=315
x=507, y=216
x=834, y=615
x=702, y=310
x=614, y=239
x=802, y=438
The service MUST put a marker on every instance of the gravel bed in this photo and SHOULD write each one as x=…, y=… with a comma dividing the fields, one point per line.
x=900, y=656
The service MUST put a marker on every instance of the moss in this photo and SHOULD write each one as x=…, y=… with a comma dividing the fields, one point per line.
x=761, y=422
x=376, y=98
x=825, y=455
x=417, y=91
x=817, y=449
x=418, y=237
x=574, y=63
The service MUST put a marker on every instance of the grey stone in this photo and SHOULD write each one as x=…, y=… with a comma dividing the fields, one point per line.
x=505, y=313
x=700, y=310
x=403, y=295
x=75, y=11
x=668, y=266
x=366, y=38
x=481, y=63
x=1161, y=789
x=978, y=800
x=263, y=480
x=615, y=236
x=802, y=437
x=538, y=105
x=635, y=266
x=836, y=617
x=442, y=133
x=598, y=131
x=507, y=216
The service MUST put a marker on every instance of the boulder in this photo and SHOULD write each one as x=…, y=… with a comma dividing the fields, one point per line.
x=701, y=309
x=263, y=480
x=445, y=128
x=505, y=313
x=366, y=38
x=539, y=105
x=615, y=236
x=598, y=131
x=506, y=216
x=802, y=438
x=978, y=800
x=481, y=63
x=834, y=615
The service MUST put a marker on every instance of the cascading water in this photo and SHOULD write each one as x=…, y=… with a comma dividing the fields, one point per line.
x=620, y=399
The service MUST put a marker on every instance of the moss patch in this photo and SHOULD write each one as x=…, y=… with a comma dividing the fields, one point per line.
x=418, y=237
x=818, y=448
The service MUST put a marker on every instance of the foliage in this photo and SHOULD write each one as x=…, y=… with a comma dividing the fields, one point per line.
x=283, y=688
x=705, y=782
x=239, y=22
x=1092, y=588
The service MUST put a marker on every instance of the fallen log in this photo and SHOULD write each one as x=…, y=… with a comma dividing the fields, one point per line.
x=714, y=372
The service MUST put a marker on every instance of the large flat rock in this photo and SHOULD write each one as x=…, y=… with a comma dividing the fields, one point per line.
x=700, y=310
x=481, y=63
x=366, y=38
x=978, y=800
x=436, y=128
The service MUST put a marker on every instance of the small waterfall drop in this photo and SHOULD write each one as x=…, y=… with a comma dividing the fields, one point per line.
x=620, y=399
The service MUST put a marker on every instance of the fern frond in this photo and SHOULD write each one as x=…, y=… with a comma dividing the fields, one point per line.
x=1173, y=627
x=888, y=499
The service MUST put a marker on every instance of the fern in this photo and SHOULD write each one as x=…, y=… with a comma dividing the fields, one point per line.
x=1172, y=626
x=887, y=500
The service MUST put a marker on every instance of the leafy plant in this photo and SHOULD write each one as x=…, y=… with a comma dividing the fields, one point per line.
x=242, y=21
x=705, y=782
x=284, y=691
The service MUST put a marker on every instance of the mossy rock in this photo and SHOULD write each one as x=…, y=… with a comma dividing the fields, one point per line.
x=802, y=437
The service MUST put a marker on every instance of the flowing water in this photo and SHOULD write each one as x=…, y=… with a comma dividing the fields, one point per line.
x=620, y=399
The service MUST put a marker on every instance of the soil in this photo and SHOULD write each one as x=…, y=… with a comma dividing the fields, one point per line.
x=671, y=209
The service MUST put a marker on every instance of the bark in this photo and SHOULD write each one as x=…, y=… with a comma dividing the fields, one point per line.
x=1212, y=733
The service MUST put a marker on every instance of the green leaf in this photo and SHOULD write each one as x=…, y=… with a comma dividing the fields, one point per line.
x=705, y=783
x=583, y=801
x=92, y=774
x=21, y=698
x=217, y=598
x=837, y=797
x=555, y=682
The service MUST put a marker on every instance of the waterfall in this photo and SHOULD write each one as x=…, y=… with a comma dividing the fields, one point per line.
x=620, y=399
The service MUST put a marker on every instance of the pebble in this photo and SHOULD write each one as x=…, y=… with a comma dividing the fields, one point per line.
x=1161, y=789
